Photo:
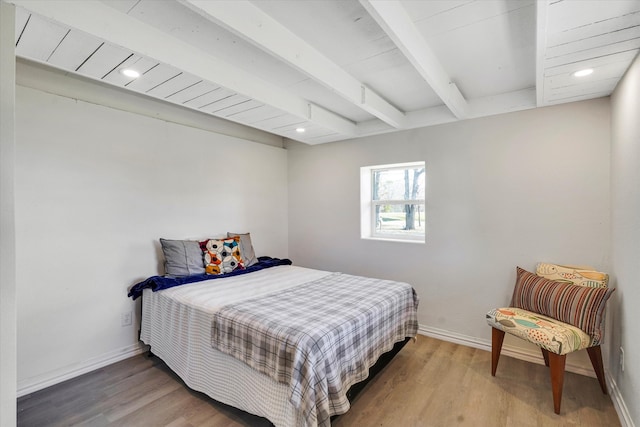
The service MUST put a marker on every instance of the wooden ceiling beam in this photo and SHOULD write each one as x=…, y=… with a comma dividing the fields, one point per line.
x=100, y=20
x=252, y=24
x=542, y=10
x=509, y=102
x=397, y=23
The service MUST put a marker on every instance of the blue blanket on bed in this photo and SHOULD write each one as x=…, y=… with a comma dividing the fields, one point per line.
x=156, y=283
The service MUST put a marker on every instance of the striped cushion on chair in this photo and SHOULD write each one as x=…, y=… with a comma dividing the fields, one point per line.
x=579, y=306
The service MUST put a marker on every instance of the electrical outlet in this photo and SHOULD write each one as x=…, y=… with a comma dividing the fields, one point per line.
x=622, y=359
x=125, y=319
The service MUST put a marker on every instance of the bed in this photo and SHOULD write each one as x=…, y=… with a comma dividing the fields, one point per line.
x=284, y=342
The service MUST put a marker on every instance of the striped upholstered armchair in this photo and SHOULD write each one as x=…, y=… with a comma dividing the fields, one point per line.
x=561, y=310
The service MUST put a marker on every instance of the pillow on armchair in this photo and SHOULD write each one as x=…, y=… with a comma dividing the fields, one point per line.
x=583, y=276
x=580, y=306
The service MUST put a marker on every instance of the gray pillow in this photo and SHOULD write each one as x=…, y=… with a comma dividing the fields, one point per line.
x=182, y=257
x=246, y=248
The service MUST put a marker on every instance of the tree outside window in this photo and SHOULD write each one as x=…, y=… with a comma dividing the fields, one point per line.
x=397, y=201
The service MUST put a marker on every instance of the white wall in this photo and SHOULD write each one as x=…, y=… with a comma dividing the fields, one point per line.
x=501, y=191
x=95, y=189
x=8, y=328
x=625, y=234
x=52, y=80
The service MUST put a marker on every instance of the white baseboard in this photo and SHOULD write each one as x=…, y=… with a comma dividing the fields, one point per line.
x=618, y=402
x=515, y=352
x=454, y=337
x=48, y=379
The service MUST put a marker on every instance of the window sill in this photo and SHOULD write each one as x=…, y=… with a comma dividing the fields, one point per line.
x=392, y=239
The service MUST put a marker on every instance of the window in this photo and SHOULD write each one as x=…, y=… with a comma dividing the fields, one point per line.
x=392, y=202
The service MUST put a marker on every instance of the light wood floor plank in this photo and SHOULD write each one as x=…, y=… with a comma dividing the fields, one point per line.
x=430, y=383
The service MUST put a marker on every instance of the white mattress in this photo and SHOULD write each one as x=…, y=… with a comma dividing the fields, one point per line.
x=176, y=323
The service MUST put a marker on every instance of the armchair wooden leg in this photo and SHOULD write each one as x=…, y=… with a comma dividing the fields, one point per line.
x=595, y=354
x=497, y=337
x=545, y=354
x=556, y=367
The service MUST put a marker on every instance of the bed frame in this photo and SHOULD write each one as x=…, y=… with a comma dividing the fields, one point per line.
x=382, y=362
x=355, y=389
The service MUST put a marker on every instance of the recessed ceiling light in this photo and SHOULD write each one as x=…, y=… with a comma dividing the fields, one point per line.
x=130, y=73
x=300, y=130
x=583, y=73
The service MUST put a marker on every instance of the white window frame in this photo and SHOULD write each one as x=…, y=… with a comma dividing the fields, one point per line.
x=368, y=229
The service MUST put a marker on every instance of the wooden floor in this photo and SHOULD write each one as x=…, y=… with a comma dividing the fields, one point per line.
x=429, y=383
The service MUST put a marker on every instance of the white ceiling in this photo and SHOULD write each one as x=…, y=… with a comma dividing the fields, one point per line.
x=340, y=68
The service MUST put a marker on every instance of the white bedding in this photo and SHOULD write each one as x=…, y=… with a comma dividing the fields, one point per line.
x=176, y=323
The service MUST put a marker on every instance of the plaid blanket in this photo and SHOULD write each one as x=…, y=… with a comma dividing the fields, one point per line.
x=320, y=338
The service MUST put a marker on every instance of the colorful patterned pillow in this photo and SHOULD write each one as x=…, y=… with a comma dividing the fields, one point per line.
x=222, y=256
x=580, y=306
x=246, y=248
x=570, y=274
